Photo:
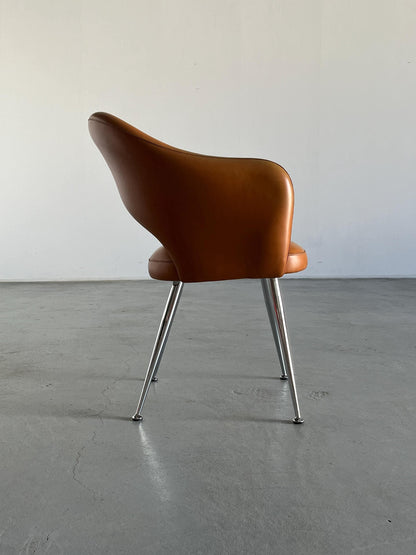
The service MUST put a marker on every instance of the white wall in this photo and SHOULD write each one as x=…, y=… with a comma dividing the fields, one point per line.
x=324, y=87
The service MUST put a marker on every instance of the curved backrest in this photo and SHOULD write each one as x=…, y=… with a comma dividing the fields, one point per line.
x=219, y=218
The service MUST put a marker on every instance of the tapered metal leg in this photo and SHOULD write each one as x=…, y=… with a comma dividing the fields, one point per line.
x=268, y=299
x=160, y=344
x=274, y=306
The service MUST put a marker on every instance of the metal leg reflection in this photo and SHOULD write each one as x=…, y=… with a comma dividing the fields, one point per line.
x=160, y=344
x=274, y=304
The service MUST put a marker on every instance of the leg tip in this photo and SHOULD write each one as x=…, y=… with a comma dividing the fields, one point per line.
x=137, y=418
x=155, y=379
x=298, y=420
x=283, y=377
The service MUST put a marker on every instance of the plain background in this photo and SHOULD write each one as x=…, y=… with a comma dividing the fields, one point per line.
x=326, y=88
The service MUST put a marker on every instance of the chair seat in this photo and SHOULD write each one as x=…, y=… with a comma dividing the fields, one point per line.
x=161, y=265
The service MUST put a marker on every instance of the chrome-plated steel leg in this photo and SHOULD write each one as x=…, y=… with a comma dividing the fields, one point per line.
x=160, y=344
x=268, y=299
x=274, y=297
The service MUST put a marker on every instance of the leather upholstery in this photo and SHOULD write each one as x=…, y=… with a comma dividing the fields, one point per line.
x=161, y=265
x=217, y=218
x=297, y=259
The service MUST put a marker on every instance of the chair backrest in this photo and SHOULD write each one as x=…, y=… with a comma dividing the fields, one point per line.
x=219, y=218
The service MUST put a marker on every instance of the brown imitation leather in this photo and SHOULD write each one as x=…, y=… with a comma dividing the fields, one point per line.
x=217, y=218
x=297, y=259
x=161, y=265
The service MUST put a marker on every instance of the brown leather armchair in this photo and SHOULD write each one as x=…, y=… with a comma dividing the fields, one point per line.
x=217, y=219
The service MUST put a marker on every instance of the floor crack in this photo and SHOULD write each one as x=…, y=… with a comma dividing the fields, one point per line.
x=75, y=469
x=104, y=392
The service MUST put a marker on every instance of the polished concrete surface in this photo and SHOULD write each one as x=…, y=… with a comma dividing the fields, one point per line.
x=216, y=467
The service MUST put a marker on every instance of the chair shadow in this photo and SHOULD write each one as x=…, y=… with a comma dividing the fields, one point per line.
x=234, y=376
x=246, y=419
x=161, y=376
x=81, y=415
x=222, y=419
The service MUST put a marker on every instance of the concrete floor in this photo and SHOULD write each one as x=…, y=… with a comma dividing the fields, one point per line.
x=216, y=467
